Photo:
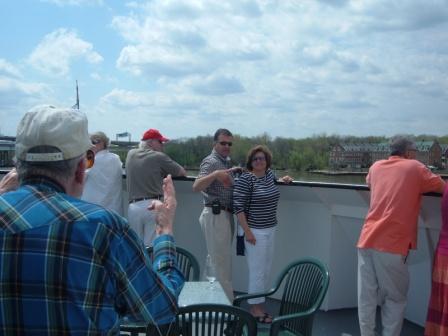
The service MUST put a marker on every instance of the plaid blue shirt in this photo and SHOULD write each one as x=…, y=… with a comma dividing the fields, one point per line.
x=68, y=267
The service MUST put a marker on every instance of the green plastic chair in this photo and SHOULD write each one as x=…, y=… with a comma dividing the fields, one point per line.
x=305, y=285
x=214, y=320
x=187, y=263
x=201, y=320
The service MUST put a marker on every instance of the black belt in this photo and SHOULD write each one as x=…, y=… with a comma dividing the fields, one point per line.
x=222, y=207
x=157, y=197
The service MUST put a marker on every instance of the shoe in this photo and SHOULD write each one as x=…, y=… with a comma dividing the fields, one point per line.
x=266, y=318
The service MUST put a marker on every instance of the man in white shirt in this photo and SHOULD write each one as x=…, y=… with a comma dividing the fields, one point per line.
x=103, y=184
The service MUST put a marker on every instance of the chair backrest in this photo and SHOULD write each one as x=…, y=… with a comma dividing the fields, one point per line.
x=305, y=285
x=186, y=262
x=215, y=320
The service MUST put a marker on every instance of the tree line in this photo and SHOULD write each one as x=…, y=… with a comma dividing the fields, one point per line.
x=288, y=153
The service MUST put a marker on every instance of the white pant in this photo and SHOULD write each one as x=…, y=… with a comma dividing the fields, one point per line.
x=218, y=231
x=259, y=261
x=142, y=220
x=385, y=277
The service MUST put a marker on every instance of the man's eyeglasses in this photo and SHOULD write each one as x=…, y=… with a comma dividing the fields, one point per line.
x=90, y=158
x=225, y=143
x=258, y=158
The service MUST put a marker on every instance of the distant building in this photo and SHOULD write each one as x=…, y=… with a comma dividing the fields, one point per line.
x=444, y=148
x=7, y=152
x=357, y=156
x=430, y=153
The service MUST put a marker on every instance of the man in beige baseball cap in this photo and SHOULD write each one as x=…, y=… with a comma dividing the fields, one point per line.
x=69, y=266
x=52, y=142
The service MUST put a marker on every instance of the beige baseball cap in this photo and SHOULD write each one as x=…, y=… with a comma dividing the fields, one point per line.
x=64, y=130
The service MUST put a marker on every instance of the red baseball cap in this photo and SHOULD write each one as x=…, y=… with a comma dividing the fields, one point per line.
x=152, y=133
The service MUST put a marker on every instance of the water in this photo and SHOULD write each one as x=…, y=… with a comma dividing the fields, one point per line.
x=345, y=178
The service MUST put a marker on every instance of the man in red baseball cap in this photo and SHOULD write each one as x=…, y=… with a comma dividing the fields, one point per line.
x=146, y=167
x=153, y=134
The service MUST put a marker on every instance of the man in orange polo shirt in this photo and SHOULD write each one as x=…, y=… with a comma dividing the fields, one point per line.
x=389, y=232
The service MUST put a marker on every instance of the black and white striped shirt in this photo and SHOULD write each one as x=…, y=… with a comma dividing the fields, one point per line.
x=257, y=197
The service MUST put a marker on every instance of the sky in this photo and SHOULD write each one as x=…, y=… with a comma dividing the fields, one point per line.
x=288, y=68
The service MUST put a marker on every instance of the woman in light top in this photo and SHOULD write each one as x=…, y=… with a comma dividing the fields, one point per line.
x=103, y=184
x=255, y=199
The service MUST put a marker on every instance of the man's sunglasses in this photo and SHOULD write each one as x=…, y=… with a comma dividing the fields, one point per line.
x=225, y=143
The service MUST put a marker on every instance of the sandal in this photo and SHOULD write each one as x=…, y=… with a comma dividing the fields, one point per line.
x=266, y=318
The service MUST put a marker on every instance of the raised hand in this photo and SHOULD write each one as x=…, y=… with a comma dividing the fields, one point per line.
x=225, y=177
x=285, y=179
x=9, y=182
x=165, y=211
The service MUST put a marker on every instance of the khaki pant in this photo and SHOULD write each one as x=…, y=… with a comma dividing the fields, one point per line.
x=382, y=277
x=142, y=221
x=218, y=231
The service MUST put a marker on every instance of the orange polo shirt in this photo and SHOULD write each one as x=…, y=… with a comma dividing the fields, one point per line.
x=396, y=188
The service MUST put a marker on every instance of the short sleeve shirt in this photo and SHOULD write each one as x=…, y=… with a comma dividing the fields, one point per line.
x=145, y=171
x=396, y=188
x=216, y=189
x=258, y=198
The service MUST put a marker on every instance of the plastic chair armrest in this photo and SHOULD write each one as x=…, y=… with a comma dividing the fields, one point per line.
x=240, y=298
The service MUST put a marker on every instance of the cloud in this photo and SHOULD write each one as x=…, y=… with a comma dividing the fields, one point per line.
x=57, y=50
x=335, y=3
x=95, y=76
x=218, y=86
x=177, y=9
x=74, y=2
x=188, y=38
x=317, y=55
x=12, y=89
x=306, y=67
x=250, y=9
x=9, y=69
x=16, y=97
x=407, y=15
x=157, y=62
x=125, y=98
x=354, y=103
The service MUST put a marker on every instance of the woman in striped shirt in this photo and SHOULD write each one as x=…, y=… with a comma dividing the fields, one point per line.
x=255, y=199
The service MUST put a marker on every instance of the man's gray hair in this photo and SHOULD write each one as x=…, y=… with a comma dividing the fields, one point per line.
x=145, y=144
x=100, y=137
x=400, y=144
x=60, y=171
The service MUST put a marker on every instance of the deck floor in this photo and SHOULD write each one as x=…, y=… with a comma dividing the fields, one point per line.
x=342, y=322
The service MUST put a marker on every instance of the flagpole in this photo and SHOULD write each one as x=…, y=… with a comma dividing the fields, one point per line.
x=77, y=95
x=76, y=106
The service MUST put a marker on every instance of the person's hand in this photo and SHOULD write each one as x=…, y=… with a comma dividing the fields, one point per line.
x=165, y=211
x=225, y=177
x=249, y=236
x=9, y=182
x=286, y=179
